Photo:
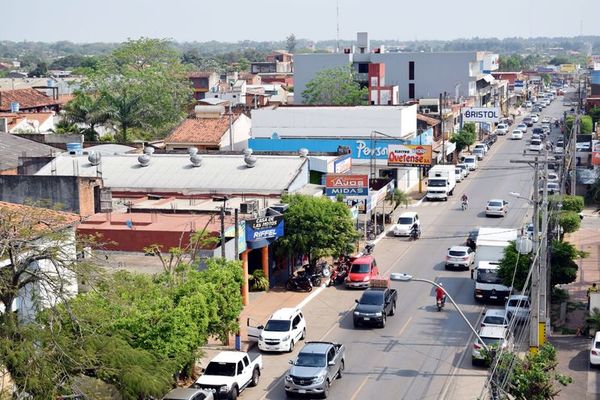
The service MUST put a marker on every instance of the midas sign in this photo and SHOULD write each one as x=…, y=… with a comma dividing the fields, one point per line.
x=481, y=114
x=408, y=155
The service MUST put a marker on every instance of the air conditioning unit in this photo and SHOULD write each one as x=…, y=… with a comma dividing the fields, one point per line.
x=426, y=111
x=248, y=207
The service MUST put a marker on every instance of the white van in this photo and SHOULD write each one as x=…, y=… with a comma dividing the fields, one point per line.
x=282, y=331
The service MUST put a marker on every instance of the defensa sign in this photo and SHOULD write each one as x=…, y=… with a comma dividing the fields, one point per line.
x=264, y=228
x=407, y=155
x=348, y=185
x=481, y=114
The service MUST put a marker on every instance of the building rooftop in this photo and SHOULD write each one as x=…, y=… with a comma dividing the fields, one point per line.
x=12, y=147
x=47, y=219
x=27, y=98
x=111, y=148
x=169, y=173
x=204, y=131
x=15, y=118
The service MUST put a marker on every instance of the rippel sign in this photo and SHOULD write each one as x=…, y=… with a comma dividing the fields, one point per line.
x=481, y=114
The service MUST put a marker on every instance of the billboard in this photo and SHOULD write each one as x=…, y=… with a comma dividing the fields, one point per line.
x=595, y=152
x=407, y=155
x=269, y=227
x=481, y=114
x=348, y=185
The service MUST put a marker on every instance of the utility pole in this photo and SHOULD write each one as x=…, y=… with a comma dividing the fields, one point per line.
x=543, y=261
x=442, y=129
x=573, y=146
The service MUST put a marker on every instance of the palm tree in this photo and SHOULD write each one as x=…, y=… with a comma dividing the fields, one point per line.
x=399, y=197
x=88, y=110
x=126, y=110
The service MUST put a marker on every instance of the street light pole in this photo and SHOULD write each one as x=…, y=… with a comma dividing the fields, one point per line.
x=400, y=277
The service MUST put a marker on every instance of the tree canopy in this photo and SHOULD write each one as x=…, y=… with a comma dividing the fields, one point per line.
x=336, y=86
x=317, y=227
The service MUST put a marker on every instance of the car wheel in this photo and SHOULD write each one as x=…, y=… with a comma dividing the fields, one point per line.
x=291, y=346
x=326, y=389
x=303, y=334
x=383, y=321
x=393, y=310
x=255, y=377
x=341, y=370
x=234, y=393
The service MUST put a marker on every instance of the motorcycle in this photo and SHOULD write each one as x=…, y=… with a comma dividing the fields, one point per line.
x=414, y=234
x=441, y=303
x=340, y=271
x=316, y=273
x=465, y=204
x=369, y=248
x=299, y=283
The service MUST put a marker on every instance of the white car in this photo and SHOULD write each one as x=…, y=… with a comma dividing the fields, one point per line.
x=464, y=168
x=522, y=127
x=595, y=351
x=536, y=145
x=496, y=207
x=528, y=104
x=583, y=146
x=459, y=174
x=493, y=337
x=283, y=330
x=517, y=307
x=471, y=162
x=460, y=257
x=495, y=317
x=501, y=129
x=552, y=177
x=552, y=188
x=405, y=222
x=535, y=118
x=559, y=150
x=517, y=134
x=482, y=146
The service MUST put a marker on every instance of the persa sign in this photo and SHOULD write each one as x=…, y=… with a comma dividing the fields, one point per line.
x=481, y=114
x=264, y=228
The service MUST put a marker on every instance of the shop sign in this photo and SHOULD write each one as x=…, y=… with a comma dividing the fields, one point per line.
x=269, y=227
x=348, y=185
x=481, y=114
x=595, y=152
x=406, y=155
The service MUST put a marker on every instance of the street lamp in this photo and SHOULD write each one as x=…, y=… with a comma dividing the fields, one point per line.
x=401, y=277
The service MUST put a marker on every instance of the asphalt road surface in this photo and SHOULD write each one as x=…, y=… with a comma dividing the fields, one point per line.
x=421, y=353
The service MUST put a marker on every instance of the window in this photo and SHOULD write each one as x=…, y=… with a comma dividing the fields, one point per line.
x=246, y=361
x=411, y=70
x=363, y=68
x=240, y=367
x=411, y=90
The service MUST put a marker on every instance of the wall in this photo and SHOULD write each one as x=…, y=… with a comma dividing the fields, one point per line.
x=71, y=193
x=241, y=133
x=306, y=67
x=51, y=139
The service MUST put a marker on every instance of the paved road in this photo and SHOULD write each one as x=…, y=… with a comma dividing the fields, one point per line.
x=421, y=353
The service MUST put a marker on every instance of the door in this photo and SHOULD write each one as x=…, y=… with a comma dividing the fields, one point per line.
x=253, y=330
x=296, y=328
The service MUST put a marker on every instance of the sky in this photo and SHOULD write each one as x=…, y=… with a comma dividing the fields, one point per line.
x=272, y=20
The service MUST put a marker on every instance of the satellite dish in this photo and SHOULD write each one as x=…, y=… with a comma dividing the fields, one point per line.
x=149, y=150
x=94, y=158
x=196, y=160
x=144, y=160
x=250, y=161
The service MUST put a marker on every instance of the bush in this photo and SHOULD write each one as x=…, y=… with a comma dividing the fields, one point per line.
x=572, y=203
x=569, y=221
x=259, y=281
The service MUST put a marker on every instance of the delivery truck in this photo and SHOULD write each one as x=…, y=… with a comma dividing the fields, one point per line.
x=441, y=182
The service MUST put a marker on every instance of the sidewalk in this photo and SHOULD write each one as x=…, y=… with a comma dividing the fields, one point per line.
x=573, y=350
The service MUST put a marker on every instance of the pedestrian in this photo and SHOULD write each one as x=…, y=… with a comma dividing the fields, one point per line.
x=591, y=289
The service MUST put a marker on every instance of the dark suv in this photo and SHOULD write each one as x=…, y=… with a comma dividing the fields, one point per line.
x=374, y=306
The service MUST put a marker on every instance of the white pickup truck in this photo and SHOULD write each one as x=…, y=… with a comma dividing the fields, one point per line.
x=230, y=372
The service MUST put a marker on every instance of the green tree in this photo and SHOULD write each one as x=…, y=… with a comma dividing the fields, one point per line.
x=563, y=262
x=89, y=110
x=463, y=139
x=243, y=64
x=509, y=261
x=317, y=227
x=40, y=70
x=586, y=124
x=557, y=60
x=569, y=221
x=595, y=114
x=291, y=43
x=533, y=377
x=142, y=84
x=335, y=86
x=398, y=197
x=547, y=79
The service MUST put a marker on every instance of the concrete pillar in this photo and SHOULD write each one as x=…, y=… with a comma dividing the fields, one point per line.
x=245, y=291
x=265, y=261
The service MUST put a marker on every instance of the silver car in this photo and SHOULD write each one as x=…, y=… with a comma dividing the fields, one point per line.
x=496, y=207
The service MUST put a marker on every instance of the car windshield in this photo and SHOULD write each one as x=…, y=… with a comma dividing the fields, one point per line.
x=494, y=320
x=360, y=268
x=221, y=369
x=277, y=325
x=457, y=253
x=373, y=298
x=495, y=204
x=310, y=360
x=437, y=182
x=536, y=142
x=405, y=221
x=491, y=342
x=518, y=303
x=488, y=276
x=469, y=160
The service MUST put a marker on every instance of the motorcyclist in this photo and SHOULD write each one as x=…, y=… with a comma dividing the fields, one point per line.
x=440, y=295
x=414, y=230
x=465, y=200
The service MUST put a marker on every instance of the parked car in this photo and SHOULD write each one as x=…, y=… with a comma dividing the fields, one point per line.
x=405, y=223
x=493, y=337
x=496, y=207
x=374, y=306
x=535, y=145
x=490, y=140
x=535, y=118
x=362, y=270
x=595, y=350
x=318, y=364
x=188, y=394
x=471, y=162
x=495, y=317
x=583, y=146
x=528, y=121
x=538, y=130
x=459, y=257
x=459, y=174
x=464, y=168
x=502, y=129
x=517, y=307
x=517, y=134
x=552, y=188
x=522, y=127
x=283, y=330
x=482, y=146
x=229, y=373
x=479, y=153
x=552, y=177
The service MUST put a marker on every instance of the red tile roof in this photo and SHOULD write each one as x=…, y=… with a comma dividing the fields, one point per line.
x=205, y=131
x=40, y=219
x=27, y=98
x=15, y=118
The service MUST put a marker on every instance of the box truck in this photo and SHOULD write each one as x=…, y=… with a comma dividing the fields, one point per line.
x=441, y=182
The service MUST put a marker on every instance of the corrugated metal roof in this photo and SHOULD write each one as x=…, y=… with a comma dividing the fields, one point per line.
x=174, y=173
x=12, y=147
x=496, y=236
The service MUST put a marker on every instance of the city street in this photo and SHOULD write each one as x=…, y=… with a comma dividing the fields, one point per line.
x=421, y=353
